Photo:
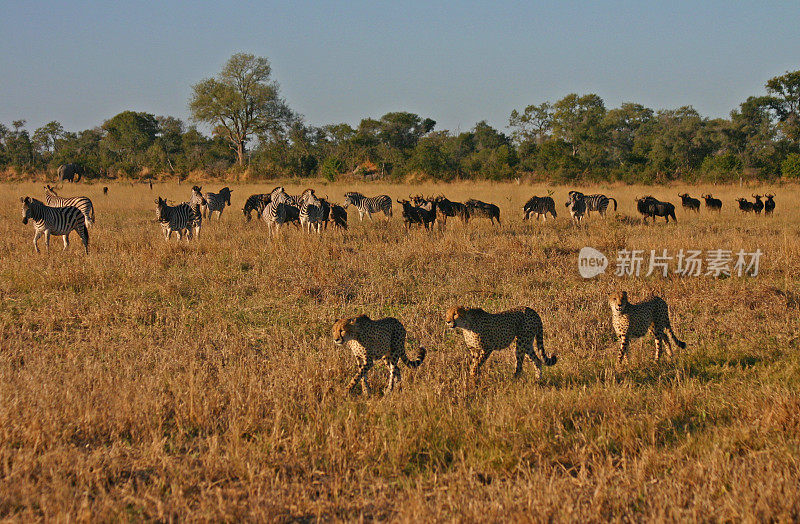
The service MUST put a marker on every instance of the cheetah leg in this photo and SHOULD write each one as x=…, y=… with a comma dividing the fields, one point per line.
x=537, y=362
x=394, y=375
x=667, y=344
x=477, y=361
x=366, y=365
x=622, y=356
x=659, y=343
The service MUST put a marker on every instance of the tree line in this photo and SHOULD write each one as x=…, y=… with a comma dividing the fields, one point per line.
x=254, y=131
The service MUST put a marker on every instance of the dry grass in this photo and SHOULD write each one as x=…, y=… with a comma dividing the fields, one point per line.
x=165, y=381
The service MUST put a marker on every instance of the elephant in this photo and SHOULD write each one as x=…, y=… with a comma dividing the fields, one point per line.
x=70, y=172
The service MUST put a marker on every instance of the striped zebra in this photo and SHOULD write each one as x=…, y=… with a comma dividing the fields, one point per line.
x=598, y=203
x=59, y=221
x=255, y=203
x=184, y=216
x=81, y=202
x=311, y=211
x=198, y=199
x=367, y=206
x=577, y=206
x=218, y=201
x=275, y=212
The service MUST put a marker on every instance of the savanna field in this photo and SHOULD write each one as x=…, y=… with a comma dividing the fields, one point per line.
x=198, y=381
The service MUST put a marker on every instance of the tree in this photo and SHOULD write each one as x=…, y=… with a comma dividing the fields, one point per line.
x=784, y=100
x=240, y=101
x=46, y=137
x=534, y=124
x=578, y=120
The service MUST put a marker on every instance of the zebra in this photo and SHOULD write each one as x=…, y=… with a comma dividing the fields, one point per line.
x=478, y=209
x=198, y=198
x=184, y=216
x=255, y=203
x=81, y=202
x=311, y=211
x=598, y=203
x=275, y=213
x=218, y=201
x=49, y=220
x=539, y=206
x=367, y=206
x=577, y=206
x=338, y=216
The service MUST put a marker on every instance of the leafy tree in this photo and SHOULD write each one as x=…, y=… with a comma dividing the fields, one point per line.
x=46, y=137
x=534, y=124
x=241, y=101
x=578, y=120
x=403, y=130
x=790, y=168
x=784, y=100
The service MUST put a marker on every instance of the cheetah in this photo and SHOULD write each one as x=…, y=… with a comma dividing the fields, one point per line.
x=632, y=321
x=370, y=340
x=486, y=332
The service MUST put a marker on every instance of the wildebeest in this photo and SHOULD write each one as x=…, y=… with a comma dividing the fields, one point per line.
x=769, y=205
x=338, y=216
x=447, y=208
x=539, y=206
x=745, y=205
x=758, y=205
x=417, y=215
x=105, y=190
x=478, y=209
x=650, y=206
x=712, y=204
x=689, y=203
x=70, y=172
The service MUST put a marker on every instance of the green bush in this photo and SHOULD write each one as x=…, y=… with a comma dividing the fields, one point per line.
x=790, y=168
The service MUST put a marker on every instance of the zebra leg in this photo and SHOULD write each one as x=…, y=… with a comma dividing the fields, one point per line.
x=66, y=240
x=84, y=234
x=36, y=235
x=47, y=240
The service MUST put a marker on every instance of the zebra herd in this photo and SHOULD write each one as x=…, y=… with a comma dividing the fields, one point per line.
x=312, y=213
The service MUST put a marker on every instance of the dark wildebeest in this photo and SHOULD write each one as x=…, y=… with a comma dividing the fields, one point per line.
x=689, y=203
x=417, y=215
x=769, y=205
x=70, y=172
x=539, y=206
x=651, y=207
x=712, y=204
x=758, y=205
x=338, y=216
x=478, y=209
x=745, y=205
x=447, y=208
x=105, y=190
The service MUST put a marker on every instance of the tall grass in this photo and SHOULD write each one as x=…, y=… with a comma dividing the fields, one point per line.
x=170, y=381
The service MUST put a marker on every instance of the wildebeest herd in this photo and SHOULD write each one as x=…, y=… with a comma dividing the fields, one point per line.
x=60, y=216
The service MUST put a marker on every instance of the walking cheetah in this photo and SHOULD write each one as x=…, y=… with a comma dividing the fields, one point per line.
x=370, y=340
x=486, y=332
x=632, y=321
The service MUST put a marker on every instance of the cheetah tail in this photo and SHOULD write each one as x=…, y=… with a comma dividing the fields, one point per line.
x=681, y=344
x=414, y=363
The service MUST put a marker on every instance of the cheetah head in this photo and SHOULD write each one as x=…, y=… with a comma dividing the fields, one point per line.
x=344, y=329
x=455, y=317
x=618, y=301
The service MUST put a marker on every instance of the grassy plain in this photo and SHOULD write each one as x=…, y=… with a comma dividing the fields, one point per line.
x=155, y=380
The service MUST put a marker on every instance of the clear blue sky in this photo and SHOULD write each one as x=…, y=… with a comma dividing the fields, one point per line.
x=457, y=62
